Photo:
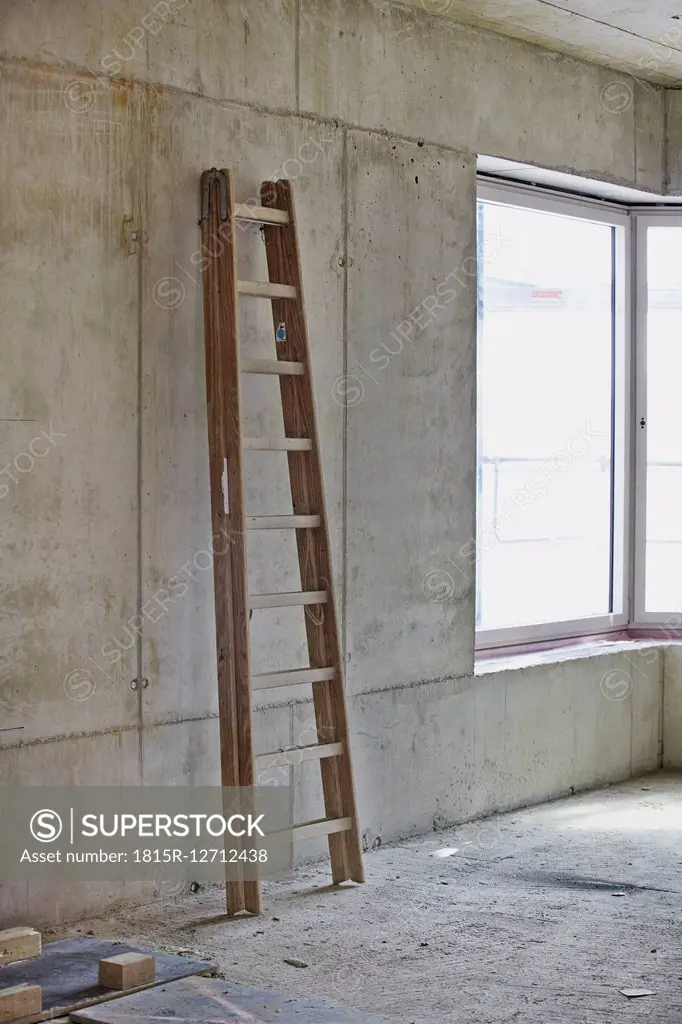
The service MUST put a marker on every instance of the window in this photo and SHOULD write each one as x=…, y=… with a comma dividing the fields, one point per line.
x=551, y=438
x=579, y=425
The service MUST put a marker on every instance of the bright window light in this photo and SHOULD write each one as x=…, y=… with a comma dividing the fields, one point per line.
x=663, y=419
x=546, y=356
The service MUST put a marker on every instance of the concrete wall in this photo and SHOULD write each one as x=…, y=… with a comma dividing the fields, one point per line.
x=506, y=737
x=673, y=175
x=378, y=114
x=672, y=708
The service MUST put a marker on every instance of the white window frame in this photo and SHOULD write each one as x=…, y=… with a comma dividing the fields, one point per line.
x=619, y=216
x=644, y=218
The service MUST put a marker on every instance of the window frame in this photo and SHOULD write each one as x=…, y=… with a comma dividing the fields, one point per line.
x=620, y=217
x=643, y=219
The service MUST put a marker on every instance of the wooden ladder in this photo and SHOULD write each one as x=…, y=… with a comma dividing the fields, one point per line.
x=233, y=603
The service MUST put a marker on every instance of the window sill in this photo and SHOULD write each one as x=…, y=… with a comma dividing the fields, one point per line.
x=490, y=661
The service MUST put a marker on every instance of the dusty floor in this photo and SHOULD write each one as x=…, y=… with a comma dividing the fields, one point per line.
x=512, y=919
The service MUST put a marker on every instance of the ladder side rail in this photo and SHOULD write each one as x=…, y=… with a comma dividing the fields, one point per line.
x=305, y=471
x=227, y=502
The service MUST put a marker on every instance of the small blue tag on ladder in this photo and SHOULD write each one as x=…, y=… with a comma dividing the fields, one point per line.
x=281, y=332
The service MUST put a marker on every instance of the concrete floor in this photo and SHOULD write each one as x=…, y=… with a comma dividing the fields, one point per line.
x=514, y=918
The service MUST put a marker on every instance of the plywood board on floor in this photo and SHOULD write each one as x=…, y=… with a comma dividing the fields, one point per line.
x=68, y=972
x=211, y=1001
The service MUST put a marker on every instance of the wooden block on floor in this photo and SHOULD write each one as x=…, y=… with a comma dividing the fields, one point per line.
x=20, y=1001
x=127, y=970
x=19, y=944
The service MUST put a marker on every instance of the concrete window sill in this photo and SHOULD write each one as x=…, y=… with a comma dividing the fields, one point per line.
x=487, y=662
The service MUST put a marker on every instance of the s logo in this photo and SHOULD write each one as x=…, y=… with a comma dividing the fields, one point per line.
x=46, y=826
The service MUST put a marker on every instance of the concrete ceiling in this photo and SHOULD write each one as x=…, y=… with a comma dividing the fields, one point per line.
x=639, y=37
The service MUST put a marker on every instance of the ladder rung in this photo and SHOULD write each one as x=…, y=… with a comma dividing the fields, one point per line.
x=294, y=755
x=266, y=289
x=292, y=676
x=261, y=214
x=278, y=444
x=286, y=600
x=282, y=522
x=320, y=827
x=278, y=366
